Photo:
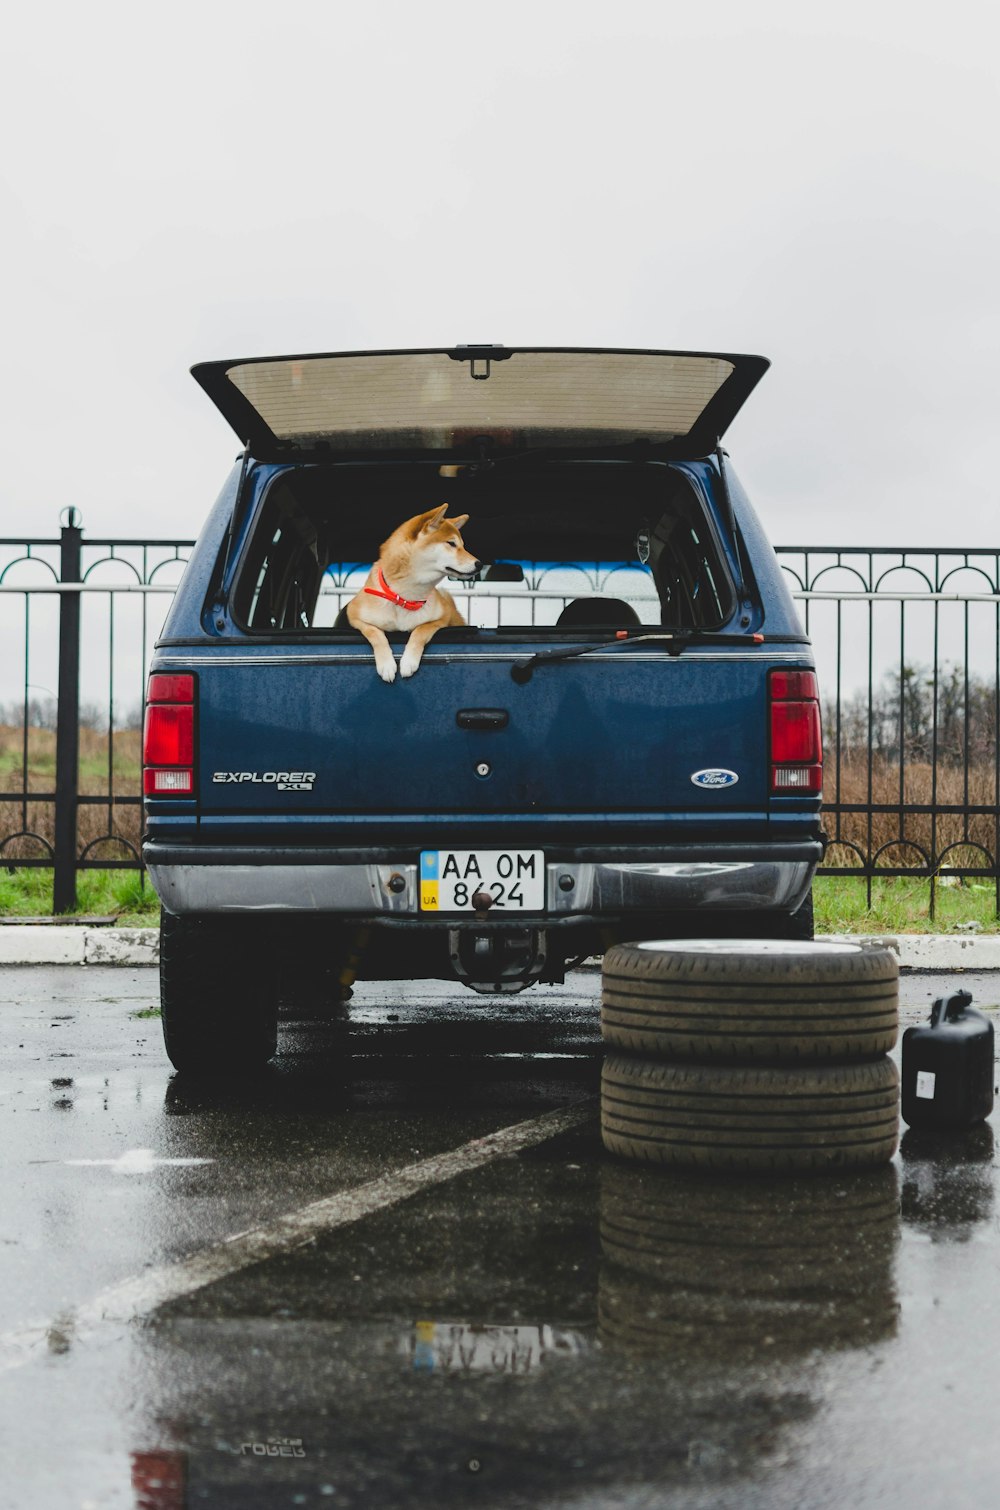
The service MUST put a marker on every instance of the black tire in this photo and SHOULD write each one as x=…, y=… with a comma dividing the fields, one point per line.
x=218, y=996
x=766, y=1001
x=800, y=924
x=770, y=1118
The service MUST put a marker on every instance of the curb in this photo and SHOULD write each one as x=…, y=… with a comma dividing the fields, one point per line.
x=55, y=945
x=931, y=951
x=25, y=944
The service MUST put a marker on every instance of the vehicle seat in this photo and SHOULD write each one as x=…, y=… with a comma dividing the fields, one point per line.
x=614, y=612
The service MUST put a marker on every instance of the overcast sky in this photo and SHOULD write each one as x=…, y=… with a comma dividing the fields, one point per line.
x=215, y=180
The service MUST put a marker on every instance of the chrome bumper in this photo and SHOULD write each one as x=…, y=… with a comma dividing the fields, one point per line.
x=573, y=889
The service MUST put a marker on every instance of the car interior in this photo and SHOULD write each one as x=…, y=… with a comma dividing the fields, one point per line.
x=568, y=547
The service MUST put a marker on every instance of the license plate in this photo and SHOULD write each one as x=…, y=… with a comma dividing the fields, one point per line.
x=450, y=878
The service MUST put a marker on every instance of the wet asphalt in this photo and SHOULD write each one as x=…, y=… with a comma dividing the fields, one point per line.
x=505, y=1335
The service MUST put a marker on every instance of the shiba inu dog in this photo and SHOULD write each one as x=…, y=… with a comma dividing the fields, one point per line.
x=402, y=590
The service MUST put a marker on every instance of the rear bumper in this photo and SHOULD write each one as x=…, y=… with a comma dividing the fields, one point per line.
x=754, y=877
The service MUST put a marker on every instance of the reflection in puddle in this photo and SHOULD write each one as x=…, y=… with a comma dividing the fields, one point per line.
x=716, y=1268
x=451, y=1347
x=948, y=1182
x=159, y=1480
x=627, y=1335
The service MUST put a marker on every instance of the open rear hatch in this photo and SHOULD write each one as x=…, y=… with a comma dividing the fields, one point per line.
x=463, y=400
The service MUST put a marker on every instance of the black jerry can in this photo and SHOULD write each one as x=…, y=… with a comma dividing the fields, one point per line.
x=948, y=1066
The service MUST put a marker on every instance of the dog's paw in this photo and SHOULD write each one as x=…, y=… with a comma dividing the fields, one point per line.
x=387, y=669
x=408, y=664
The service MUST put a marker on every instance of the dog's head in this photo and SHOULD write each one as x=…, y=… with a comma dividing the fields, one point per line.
x=439, y=541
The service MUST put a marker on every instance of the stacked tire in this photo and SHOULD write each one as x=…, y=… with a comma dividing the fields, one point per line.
x=750, y=1055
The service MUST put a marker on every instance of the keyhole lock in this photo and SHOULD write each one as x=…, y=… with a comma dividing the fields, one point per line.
x=483, y=768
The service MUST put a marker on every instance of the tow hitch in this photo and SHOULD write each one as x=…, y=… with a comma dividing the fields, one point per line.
x=497, y=960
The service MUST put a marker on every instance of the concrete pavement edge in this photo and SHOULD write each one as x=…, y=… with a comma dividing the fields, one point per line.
x=29, y=944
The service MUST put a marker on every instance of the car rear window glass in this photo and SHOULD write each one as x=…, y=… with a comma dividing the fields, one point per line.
x=566, y=546
x=427, y=400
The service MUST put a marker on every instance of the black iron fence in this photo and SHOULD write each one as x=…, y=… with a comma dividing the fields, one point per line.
x=908, y=651
x=82, y=615
x=907, y=645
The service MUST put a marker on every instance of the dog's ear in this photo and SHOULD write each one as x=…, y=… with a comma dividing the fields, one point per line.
x=424, y=523
x=459, y=520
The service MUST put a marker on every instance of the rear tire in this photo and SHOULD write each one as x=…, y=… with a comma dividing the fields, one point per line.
x=745, y=1000
x=218, y=996
x=726, y=1117
x=799, y=925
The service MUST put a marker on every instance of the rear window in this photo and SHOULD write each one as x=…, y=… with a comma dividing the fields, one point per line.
x=428, y=400
x=568, y=546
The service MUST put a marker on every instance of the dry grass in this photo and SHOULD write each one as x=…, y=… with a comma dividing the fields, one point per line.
x=96, y=821
x=960, y=840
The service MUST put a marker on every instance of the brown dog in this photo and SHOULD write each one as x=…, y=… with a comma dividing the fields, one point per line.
x=402, y=590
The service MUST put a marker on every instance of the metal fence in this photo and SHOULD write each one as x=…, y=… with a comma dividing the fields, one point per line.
x=907, y=646
x=908, y=651
x=57, y=809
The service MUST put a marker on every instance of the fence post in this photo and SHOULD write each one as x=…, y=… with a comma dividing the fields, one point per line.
x=68, y=717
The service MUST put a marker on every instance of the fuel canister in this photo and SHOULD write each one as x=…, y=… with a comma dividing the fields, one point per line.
x=948, y=1066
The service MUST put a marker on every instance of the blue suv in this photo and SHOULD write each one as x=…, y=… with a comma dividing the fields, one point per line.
x=621, y=741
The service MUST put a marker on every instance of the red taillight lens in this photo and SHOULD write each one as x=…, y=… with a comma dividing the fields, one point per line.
x=796, y=733
x=170, y=689
x=786, y=686
x=168, y=737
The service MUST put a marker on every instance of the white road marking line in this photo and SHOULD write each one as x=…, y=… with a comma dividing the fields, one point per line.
x=140, y=1296
x=134, y=1161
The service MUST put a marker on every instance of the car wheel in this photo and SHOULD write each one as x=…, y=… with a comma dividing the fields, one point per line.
x=763, y=925
x=770, y=1118
x=218, y=997
x=750, y=999
x=799, y=924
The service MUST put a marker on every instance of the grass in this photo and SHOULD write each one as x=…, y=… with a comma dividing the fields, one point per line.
x=28, y=893
x=901, y=904
x=125, y=755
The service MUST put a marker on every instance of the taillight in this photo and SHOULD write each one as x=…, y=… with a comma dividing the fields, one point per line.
x=168, y=736
x=796, y=734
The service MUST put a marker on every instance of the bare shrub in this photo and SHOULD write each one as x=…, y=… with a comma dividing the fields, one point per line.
x=895, y=836
x=106, y=766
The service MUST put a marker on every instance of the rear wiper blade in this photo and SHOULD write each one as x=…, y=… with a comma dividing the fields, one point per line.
x=673, y=642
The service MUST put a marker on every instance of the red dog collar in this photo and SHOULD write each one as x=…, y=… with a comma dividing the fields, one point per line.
x=393, y=597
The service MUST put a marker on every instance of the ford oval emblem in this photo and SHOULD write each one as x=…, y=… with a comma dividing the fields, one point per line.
x=715, y=776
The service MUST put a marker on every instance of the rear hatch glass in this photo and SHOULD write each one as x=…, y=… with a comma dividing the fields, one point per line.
x=462, y=398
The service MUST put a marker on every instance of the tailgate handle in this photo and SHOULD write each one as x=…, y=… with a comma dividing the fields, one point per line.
x=482, y=719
